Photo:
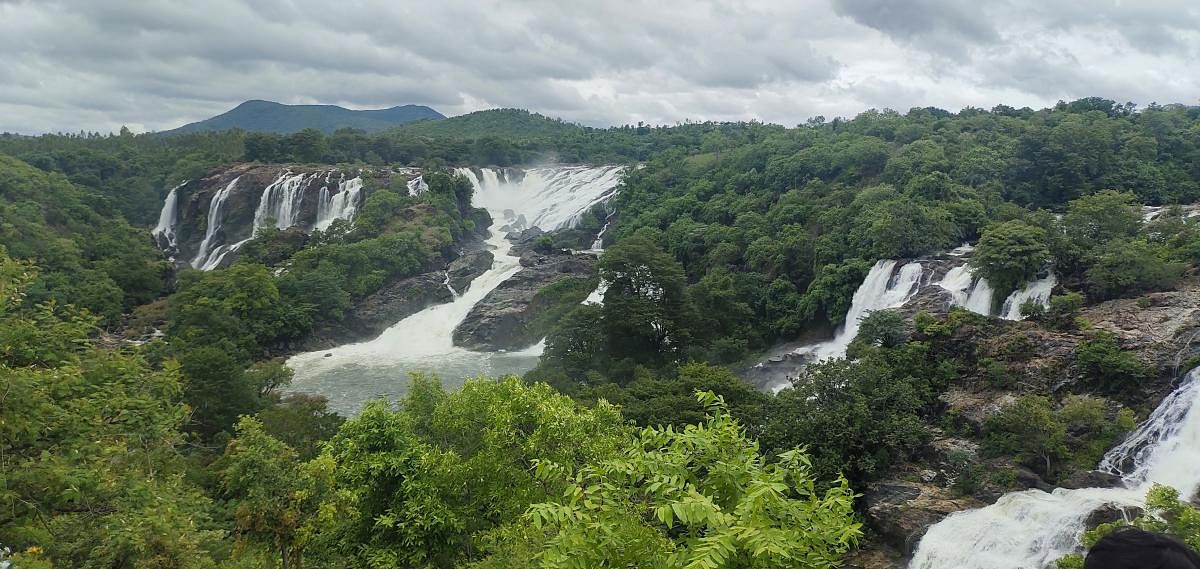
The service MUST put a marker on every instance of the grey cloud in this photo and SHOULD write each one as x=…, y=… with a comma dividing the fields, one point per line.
x=947, y=27
x=98, y=64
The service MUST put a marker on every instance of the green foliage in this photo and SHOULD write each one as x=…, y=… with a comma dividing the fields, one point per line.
x=1078, y=433
x=1123, y=268
x=700, y=496
x=856, y=417
x=426, y=479
x=1010, y=254
x=880, y=328
x=1109, y=368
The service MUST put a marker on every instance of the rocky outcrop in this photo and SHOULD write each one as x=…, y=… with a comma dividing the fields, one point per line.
x=504, y=319
x=1162, y=327
x=900, y=512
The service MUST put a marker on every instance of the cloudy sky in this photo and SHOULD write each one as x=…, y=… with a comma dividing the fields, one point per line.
x=155, y=64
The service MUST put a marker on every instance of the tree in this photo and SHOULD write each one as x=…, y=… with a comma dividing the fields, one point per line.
x=1029, y=430
x=1123, y=267
x=1101, y=217
x=1010, y=254
x=426, y=480
x=700, y=496
x=644, y=310
x=1107, y=366
x=278, y=499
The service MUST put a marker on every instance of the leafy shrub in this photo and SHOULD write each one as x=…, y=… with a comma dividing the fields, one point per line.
x=1108, y=367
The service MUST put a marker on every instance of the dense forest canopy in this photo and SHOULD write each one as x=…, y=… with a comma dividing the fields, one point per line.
x=629, y=444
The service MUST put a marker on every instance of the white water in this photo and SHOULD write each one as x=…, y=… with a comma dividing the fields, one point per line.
x=281, y=199
x=342, y=205
x=164, y=231
x=549, y=197
x=353, y=374
x=884, y=287
x=1031, y=529
x=417, y=186
x=1037, y=291
x=967, y=291
x=208, y=256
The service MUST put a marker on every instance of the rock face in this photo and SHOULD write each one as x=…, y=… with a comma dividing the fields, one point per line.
x=501, y=321
x=1163, y=327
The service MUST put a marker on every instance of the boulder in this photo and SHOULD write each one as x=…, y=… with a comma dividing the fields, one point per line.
x=900, y=512
x=1091, y=479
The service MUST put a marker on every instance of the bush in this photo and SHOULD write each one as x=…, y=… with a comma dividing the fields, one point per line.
x=1107, y=367
x=1063, y=312
x=1124, y=267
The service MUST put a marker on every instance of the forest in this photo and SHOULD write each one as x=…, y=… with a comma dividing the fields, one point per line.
x=633, y=442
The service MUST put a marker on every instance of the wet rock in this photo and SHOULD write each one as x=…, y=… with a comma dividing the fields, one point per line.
x=1110, y=513
x=501, y=321
x=1091, y=479
x=464, y=269
x=900, y=512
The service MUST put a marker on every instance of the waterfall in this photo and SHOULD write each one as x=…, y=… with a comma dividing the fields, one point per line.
x=551, y=197
x=1037, y=291
x=1031, y=529
x=216, y=212
x=164, y=232
x=417, y=186
x=967, y=290
x=281, y=200
x=342, y=205
x=884, y=287
x=450, y=287
x=352, y=374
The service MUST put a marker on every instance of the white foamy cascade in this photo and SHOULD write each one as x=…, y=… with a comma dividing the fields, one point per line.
x=281, y=199
x=967, y=290
x=341, y=205
x=209, y=254
x=164, y=231
x=1037, y=291
x=417, y=186
x=884, y=287
x=549, y=197
x=1031, y=529
x=352, y=374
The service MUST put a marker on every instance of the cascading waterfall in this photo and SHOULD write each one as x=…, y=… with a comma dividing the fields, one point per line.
x=417, y=186
x=164, y=231
x=550, y=197
x=887, y=286
x=281, y=199
x=342, y=205
x=352, y=374
x=967, y=290
x=1031, y=529
x=208, y=256
x=1037, y=291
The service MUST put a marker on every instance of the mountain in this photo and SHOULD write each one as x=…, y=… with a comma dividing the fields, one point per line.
x=267, y=116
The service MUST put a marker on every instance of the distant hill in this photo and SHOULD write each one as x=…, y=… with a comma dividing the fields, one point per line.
x=267, y=116
x=511, y=124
